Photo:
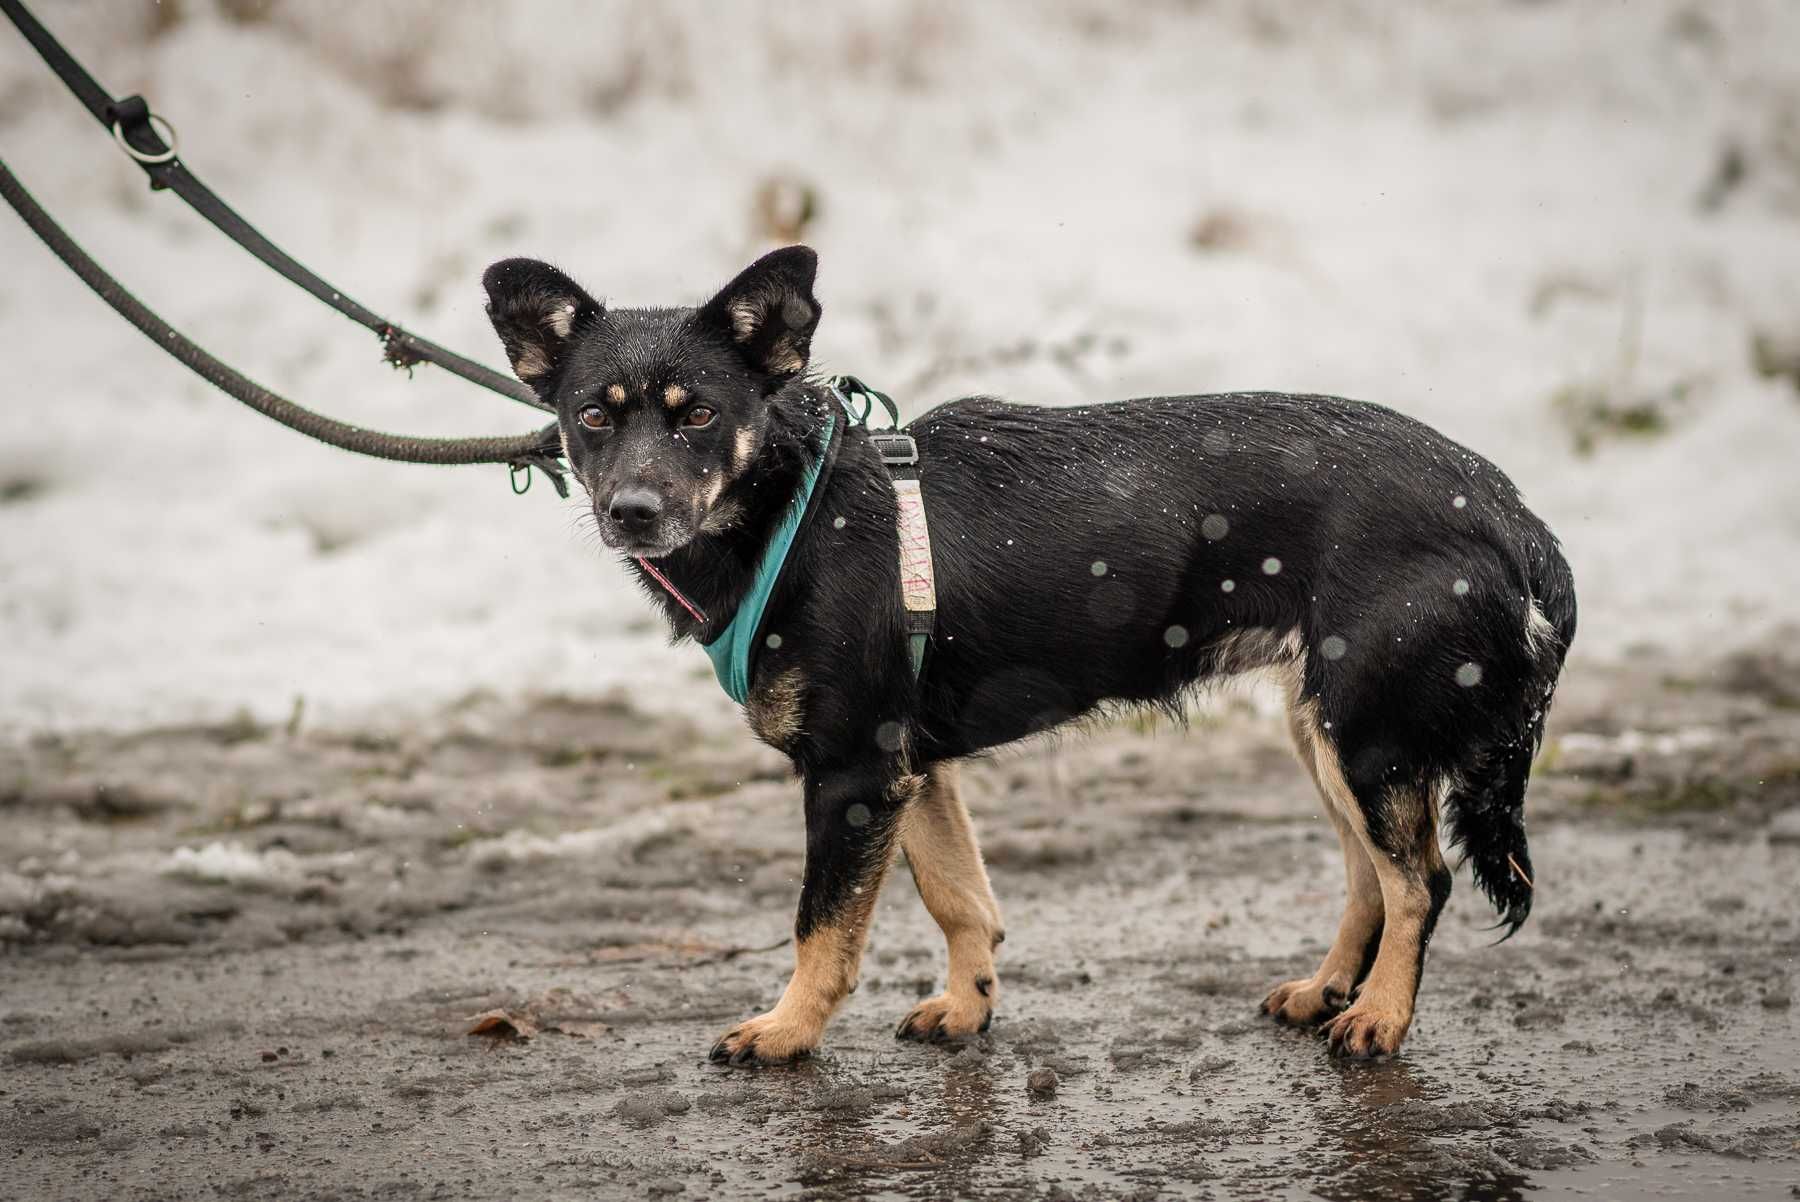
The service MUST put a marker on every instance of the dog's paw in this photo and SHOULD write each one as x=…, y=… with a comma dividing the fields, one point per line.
x=770, y=1038
x=1306, y=1002
x=1365, y=1031
x=945, y=1017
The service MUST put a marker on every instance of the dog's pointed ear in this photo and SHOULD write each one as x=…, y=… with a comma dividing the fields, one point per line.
x=535, y=308
x=769, y=311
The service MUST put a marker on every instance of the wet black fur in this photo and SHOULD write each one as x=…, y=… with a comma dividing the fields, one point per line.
x=1356, y=502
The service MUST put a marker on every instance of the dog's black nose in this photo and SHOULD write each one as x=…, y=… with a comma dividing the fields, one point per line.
x=634, y=509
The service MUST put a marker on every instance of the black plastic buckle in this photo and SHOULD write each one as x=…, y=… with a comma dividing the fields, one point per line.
x=897, y=449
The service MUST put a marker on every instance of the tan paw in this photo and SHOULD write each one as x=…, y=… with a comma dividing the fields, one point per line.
x=771, y=1038
x=1306, y=1002
x=1366, y=1030
x=947, y=1016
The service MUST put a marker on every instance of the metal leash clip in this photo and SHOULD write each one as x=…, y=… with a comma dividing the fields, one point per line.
x=134, y=109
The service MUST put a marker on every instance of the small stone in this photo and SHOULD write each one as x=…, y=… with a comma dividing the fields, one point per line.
x=1043, y=1082
x=270, y=1057
x=1777, y=999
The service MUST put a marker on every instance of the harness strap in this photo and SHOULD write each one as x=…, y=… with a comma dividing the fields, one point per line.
x=134, y=126
x=918, y=582
x=900, y=455
x=733, y=650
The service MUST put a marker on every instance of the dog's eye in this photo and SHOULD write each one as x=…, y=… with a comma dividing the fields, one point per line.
x=698, y=417
x=594, y=418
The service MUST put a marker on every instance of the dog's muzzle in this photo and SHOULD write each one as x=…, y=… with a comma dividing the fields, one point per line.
x=635, y=511
x=638, y=520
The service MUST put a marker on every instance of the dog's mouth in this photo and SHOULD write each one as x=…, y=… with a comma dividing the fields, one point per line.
x=651, y=550
x=645, y=547
x=646, y=544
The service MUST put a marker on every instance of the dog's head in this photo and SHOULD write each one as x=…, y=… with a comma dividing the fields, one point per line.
x=661, y=409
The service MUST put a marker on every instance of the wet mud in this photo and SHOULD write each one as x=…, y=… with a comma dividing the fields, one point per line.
x=245, y=962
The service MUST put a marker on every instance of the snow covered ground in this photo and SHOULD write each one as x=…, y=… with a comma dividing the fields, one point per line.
x=1518, y=221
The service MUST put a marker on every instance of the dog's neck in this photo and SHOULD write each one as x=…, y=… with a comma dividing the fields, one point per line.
x=716, y=570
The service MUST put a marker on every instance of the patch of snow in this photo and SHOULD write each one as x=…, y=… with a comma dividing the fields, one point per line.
x=232, y=864
x=523, y=847
x=1639, y=742
x=1471, y=213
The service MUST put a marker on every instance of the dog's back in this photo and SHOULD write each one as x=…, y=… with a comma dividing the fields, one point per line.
x=1126, y=551
x=1418, y=612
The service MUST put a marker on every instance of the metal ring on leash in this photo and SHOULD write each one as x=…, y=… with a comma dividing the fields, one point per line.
x=163, y=129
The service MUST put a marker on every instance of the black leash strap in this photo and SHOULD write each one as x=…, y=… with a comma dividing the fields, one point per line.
x=541, y=450
x=135, y=128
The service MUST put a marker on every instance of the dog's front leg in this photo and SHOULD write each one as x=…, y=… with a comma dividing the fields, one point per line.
x=851, y=823
x=940, y=847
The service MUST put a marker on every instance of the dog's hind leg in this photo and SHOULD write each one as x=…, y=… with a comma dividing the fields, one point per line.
x=940, y=847
x=852, y=819
x=1398, y=829
x=1313, y=999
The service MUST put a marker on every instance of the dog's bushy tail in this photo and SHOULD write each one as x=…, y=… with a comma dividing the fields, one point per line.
x=1487, y=821
x=1486, y=807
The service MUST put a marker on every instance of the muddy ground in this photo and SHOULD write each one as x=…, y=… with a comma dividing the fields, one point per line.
x=244, y=962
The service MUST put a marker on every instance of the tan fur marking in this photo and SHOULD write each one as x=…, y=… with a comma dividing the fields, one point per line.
x=745, y=317
x=1258, y=647
x=826, y=965
x=721, y=518
x=940, y=846
x=1538, y=631
x=784, y=360
x=743, y=449
x=775, y=710
x=560, y=320
x=615, y=393
x=1314, y=998
x=675, y=396
x=905, y=790
x=531, y=363
x=1377, y=1022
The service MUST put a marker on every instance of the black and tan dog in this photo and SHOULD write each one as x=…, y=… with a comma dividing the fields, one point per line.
x=1118, y=553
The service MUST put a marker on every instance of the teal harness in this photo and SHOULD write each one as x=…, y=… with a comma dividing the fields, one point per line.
x=733, y=650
